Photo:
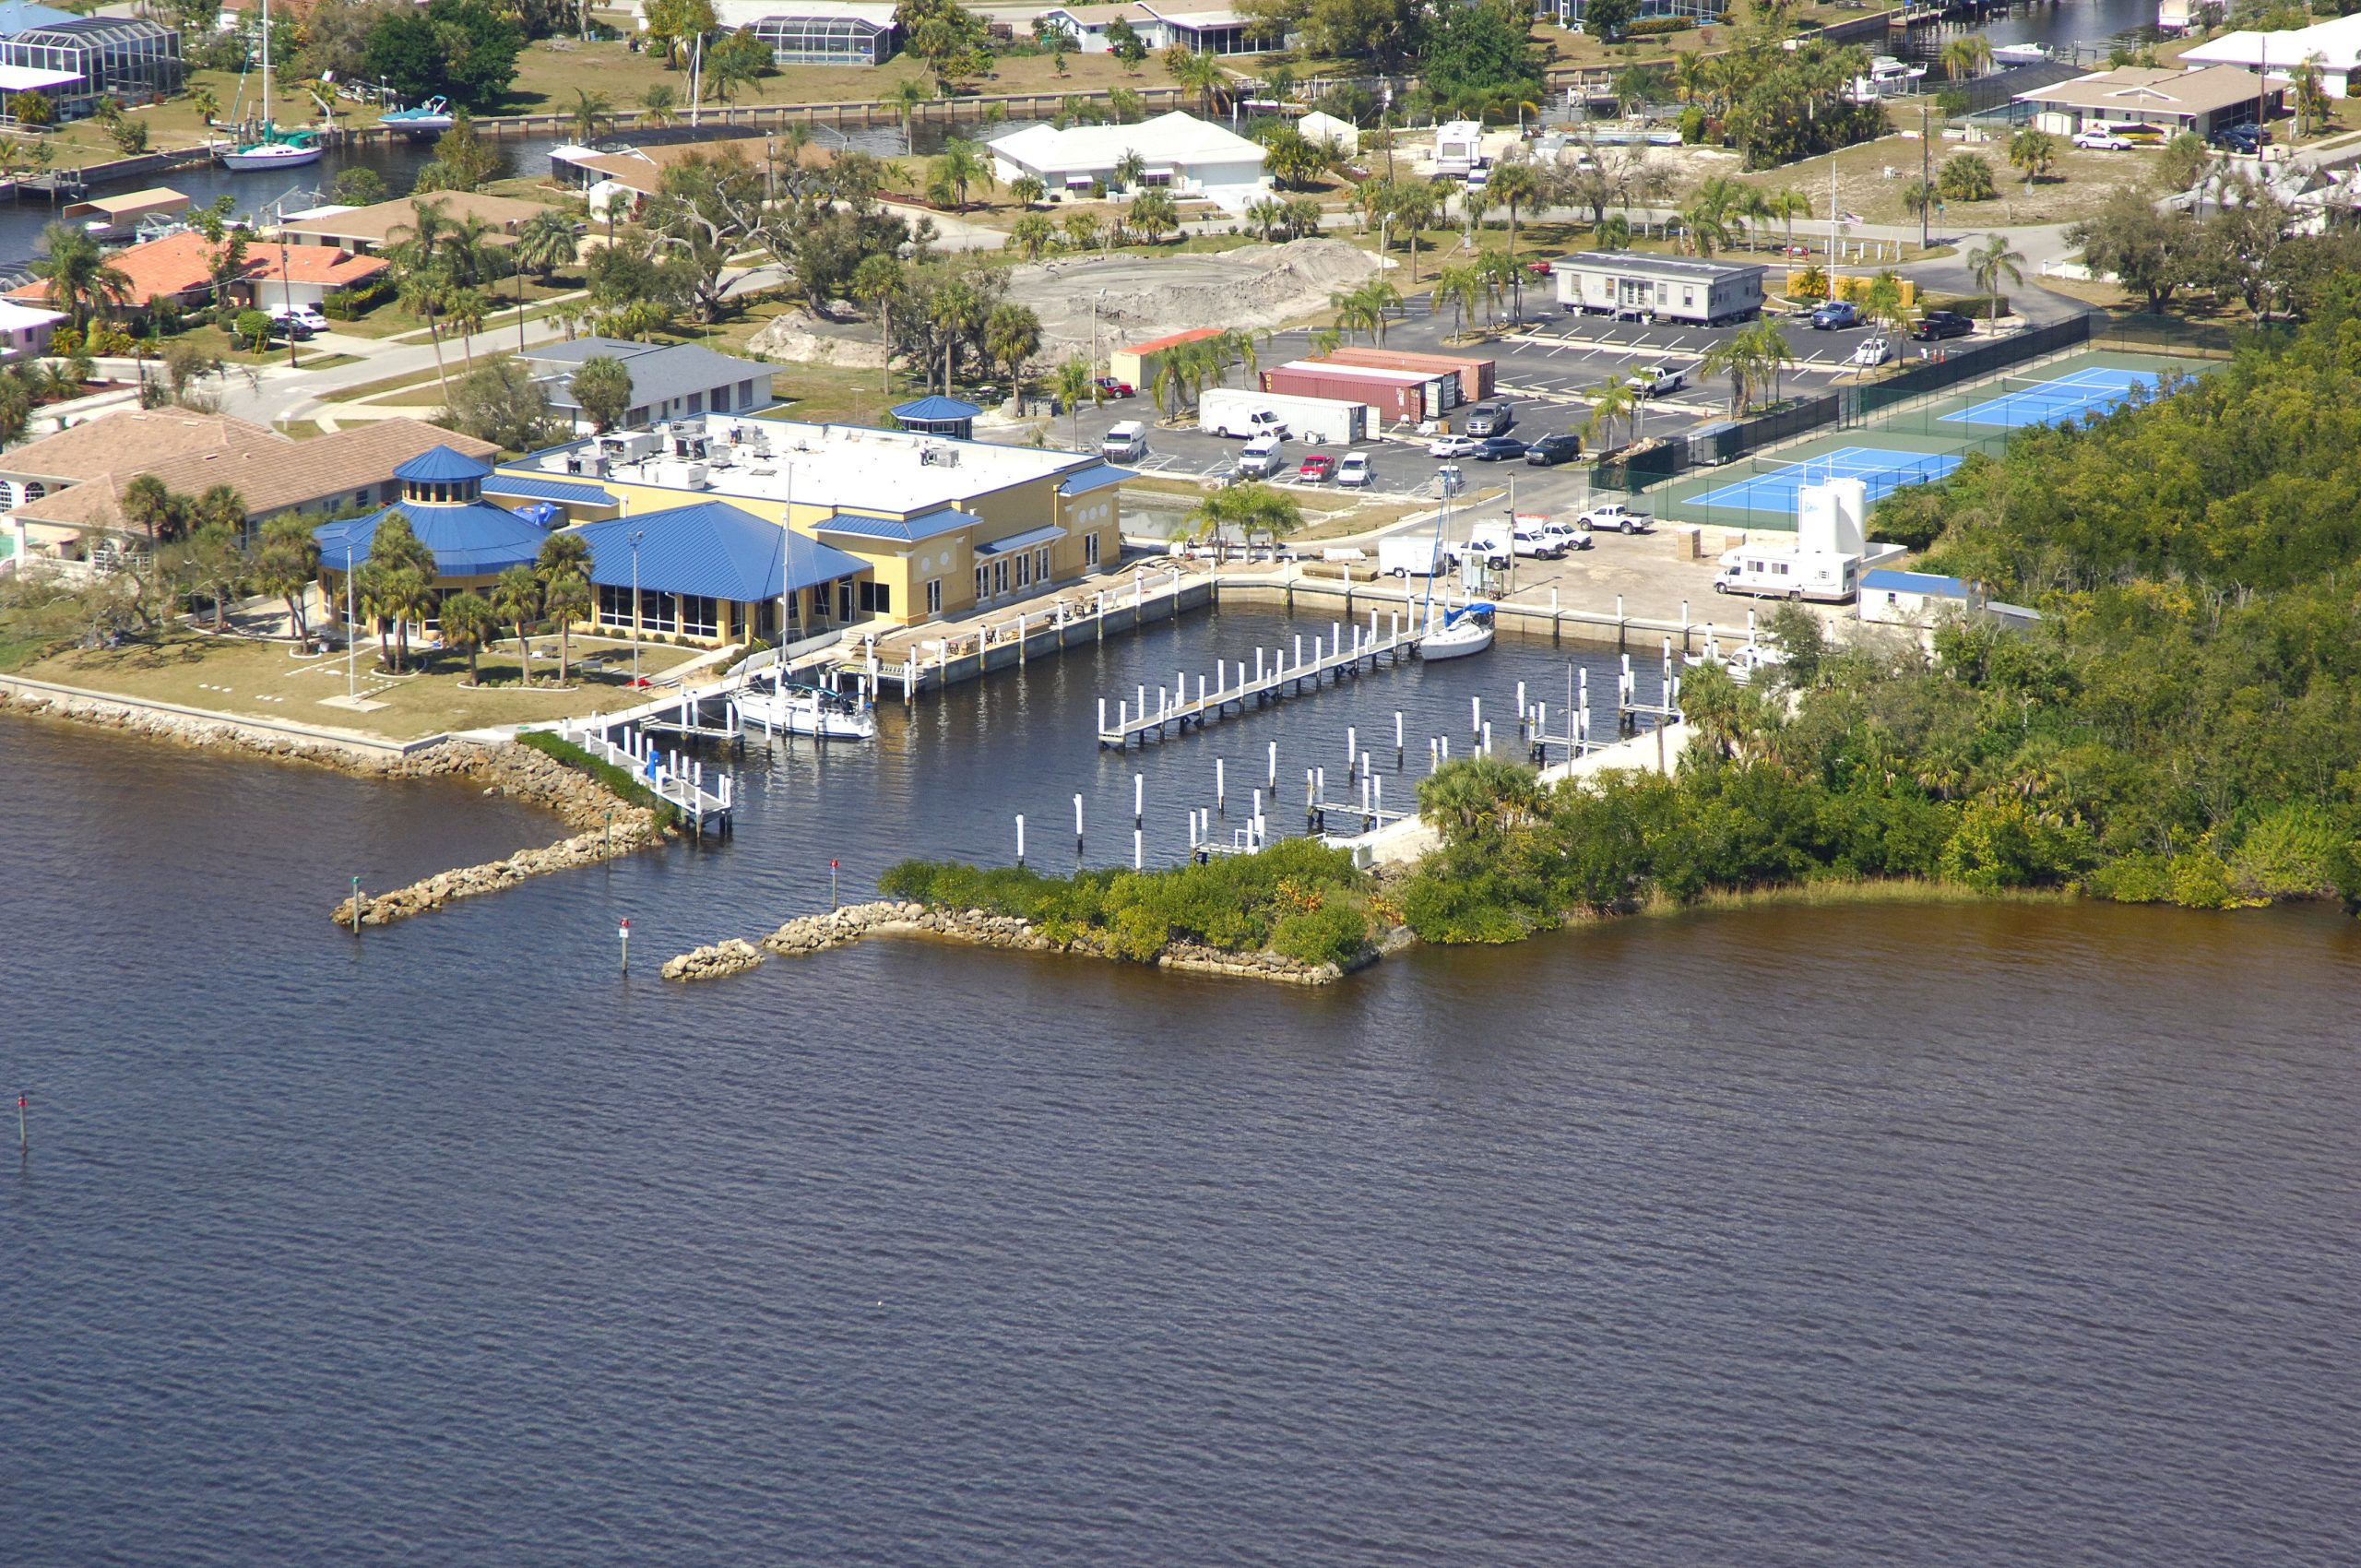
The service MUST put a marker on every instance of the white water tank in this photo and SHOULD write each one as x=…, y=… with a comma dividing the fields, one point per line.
x=1831, y=517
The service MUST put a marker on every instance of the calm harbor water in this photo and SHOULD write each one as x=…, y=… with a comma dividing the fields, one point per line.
x=1956, y=1235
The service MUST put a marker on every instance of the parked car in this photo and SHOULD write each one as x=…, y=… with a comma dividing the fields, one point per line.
x=1873, y=351
x=1111, y=388
x=2101, y=140
x=1355, y=472
x=1836, y=314
x=1616, y=517
x=1453, y=446
x=1540, y=269
x=1549, y=451
x=291, y=327
x=1316, y=468
x=1498, y=448
x=1496, y=418
x=2247, y=139
x=1937, y=324
x=1569, y=536
x=308, y=314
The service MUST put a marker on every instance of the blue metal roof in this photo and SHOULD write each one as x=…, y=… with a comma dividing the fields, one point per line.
x=1025, y=541
x=1915, y=582
x=937, y=410
x=439, y=465
x=715, y=549
x=1085, y=480
x=566, y=489
x=867, y=525
x=476, y=540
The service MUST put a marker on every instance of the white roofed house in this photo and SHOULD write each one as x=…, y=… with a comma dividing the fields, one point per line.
x=2332, y=46
x=1183, y=154
x=1201, y=27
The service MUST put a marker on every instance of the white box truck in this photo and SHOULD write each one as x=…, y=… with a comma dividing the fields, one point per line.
x=1226, y=411
x=1417, y=554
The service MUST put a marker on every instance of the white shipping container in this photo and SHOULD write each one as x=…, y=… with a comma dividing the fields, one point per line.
x=1316, y=421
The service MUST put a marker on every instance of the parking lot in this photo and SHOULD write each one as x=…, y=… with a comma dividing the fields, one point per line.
x=1549, y=370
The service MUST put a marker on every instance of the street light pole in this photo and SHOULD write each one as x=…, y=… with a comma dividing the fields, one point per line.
x=1926, y=191
x=636, y=538
x=351, y=630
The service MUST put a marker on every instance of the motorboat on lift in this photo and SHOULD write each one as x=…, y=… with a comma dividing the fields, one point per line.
x=1465, y=630
x=806, y=710
x=430, y=118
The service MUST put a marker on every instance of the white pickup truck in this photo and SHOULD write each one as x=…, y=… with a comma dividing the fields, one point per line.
x=1613, y=516
x=1658, y=380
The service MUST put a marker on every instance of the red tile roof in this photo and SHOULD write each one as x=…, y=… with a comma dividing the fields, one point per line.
x=1158, y=345
x=322, y=265
x=183, y=264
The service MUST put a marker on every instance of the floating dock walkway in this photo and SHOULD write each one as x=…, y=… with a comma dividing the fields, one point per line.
x=1274, y=677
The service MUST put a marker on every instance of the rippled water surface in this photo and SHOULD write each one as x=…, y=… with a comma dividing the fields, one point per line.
x=1960, y=1235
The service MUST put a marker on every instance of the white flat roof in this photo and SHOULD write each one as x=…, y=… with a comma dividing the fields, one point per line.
x=14, y=317
x=1368, y=373
x=29, y=78
x=862, y=468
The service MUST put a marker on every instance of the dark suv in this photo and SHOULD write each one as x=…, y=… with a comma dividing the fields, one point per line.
x=1552, y=450
x=1937, y=324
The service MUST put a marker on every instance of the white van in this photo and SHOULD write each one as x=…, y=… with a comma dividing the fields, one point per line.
x=1262, y=457
x=1127, y=442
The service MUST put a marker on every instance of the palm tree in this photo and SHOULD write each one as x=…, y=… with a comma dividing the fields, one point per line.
x=1515, y=186
x=422, y=292
x=1771, y=351
x=406, y=596
x=2031, y=152
x=563, y=569
x=287, y=564
x=1735, y=356
x=470, y=622
x=1502, y=276
x=82, y=281
x=1788, y=204
x=877, y=283
x=1081, y=230
x=1026, y=189
x=147, y=505
x=2310, y=94
x=1074, y=383
x=1463, y=288
x=467, y=310
x=1031, y=234
x=1969, y=54
x=1383, y=300
x=961, y=164
x=592, y=113
x=907, y=94
x=546, y=243
x=1129, y=169
x=1618, y=398
x=1155, y=214
x=516, y=597
x=1199, y=73
x=1992, y=261
x=659, y=106
x=1266, y=216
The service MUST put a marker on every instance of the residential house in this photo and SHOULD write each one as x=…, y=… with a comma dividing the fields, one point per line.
x=372, y=230
x=66, y=488
x=2200, y=101
x=1182, y=153
x=2332, y=47
x=668, y=381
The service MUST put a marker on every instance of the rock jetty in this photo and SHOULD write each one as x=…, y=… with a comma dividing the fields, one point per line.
x=817, y=933
x=729, y=957
x=527, y=775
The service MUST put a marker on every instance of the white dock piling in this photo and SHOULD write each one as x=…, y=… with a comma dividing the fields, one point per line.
x=1020, y=838
x=1077, y=829
x=1275, y=764
x=1475, y=714
x=1221, y=788
x=1139, y=798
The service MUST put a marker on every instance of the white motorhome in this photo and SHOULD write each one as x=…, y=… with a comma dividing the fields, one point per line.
x=1789, y=573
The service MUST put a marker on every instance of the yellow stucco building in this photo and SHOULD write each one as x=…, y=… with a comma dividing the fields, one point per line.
x=945, y=525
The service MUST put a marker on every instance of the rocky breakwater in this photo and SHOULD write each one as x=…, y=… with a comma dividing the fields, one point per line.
x=817, y=933
x=611, y=826
x=729, y=957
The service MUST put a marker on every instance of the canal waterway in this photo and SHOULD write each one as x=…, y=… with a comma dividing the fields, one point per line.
x=1953, y=1235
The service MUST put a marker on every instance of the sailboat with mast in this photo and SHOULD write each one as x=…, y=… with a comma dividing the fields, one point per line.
x=1465, y=630
x=277, y=148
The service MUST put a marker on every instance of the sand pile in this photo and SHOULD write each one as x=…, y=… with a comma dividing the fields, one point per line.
x=1150, y=296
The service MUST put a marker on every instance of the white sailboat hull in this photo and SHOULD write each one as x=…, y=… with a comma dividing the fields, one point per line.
x=1455, y=642
x=797, y=713
x=275, y=156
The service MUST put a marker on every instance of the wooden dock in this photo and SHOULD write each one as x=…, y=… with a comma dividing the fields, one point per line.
x=677, y=780
x=1274, y=677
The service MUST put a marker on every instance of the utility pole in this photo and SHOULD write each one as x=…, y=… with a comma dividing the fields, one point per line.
x=1926, y=190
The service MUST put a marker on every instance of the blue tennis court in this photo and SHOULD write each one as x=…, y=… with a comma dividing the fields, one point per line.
x=1883, y=471
x=2094, y=390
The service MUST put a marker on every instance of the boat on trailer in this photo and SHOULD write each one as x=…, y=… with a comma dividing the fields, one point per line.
x=807, y=710
x=430, y=118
